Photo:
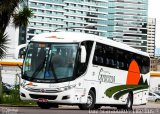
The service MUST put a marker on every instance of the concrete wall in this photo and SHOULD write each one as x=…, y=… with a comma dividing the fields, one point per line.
x=10, y=74
x=154, y=82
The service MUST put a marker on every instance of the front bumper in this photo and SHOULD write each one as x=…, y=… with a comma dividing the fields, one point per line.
x=71, y=96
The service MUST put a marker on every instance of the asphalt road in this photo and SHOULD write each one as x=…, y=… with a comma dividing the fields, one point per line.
x=150, y=108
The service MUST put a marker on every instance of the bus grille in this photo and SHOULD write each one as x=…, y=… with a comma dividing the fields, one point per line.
x=49, y=97
x=43, y=90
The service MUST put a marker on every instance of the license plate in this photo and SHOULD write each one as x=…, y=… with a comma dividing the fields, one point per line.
x=42, y=100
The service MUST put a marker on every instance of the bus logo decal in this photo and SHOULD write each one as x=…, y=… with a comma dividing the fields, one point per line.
x=42, y=90
x=134, y=82
x=106, y=77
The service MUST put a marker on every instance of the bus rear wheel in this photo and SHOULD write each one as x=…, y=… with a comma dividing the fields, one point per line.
x=90, y=101
x=129, y=103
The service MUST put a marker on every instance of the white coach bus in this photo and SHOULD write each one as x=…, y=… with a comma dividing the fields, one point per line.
x=85, y=70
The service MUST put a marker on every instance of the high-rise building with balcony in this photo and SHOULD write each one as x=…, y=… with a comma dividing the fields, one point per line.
x=151, y=28
x=120, y=20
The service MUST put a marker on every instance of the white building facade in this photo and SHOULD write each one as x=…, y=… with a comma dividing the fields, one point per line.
x=155, y=81
x=121, y=20
x=151, y=31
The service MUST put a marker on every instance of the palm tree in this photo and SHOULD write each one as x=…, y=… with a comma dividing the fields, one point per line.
x=9, y=9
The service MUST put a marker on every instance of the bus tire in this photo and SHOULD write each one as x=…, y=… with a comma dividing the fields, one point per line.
x=54, y=105
x=44, y=105
x=120, y=107
x=129, y=103
x=96, y=106
x=91, y=99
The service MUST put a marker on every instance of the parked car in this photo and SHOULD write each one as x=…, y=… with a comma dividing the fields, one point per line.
x=153, y=96
x=7, y=88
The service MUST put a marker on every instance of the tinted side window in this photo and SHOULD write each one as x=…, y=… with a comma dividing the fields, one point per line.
x=123, y=59
x=111, y=57
x=81, y=67
x=143, y=63
x=145, y=67
x=117, y=58
x=98, y=58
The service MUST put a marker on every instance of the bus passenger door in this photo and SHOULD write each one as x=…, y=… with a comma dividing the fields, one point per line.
x=99, y=85
x=97, y=72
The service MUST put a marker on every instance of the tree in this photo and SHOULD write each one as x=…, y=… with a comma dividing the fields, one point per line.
x=9, y=9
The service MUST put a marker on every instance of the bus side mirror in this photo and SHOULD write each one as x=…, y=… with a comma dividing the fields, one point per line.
x=83, y=54
x=18, y=51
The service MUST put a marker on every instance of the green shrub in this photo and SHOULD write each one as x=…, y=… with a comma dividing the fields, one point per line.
x=13, y=98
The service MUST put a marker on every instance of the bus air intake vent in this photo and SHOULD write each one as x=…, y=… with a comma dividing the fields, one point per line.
x=49, y=97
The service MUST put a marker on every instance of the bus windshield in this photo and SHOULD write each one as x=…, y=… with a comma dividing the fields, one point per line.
x=49, y=62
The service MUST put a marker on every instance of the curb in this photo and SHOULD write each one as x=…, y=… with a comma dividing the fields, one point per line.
x=9, y=105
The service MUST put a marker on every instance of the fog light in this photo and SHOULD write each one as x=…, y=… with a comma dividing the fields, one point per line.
x=22, y=94
x=65, y=97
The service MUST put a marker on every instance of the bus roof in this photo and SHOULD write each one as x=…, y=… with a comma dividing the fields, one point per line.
x=72, y=37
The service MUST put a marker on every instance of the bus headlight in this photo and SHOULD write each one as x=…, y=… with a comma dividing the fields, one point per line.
x=23, y=83
x=66, y=88
x=62, y=89
x=80, y=91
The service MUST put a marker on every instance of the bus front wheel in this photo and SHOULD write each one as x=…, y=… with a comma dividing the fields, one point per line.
x=97, y=106
x=91, y=98
x=44, y=105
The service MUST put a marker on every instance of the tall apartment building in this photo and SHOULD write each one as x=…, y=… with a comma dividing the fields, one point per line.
x=155, y=64
x=130, y=22
x=151, y=28
x=120, y=20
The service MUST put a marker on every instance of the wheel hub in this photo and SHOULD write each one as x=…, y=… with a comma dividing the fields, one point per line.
x=89, y=100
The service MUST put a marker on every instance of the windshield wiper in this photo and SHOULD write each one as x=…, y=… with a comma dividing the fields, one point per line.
x=38, y=69
x=53, y=71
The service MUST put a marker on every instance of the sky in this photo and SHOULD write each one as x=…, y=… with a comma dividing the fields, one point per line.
x=154, y=12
